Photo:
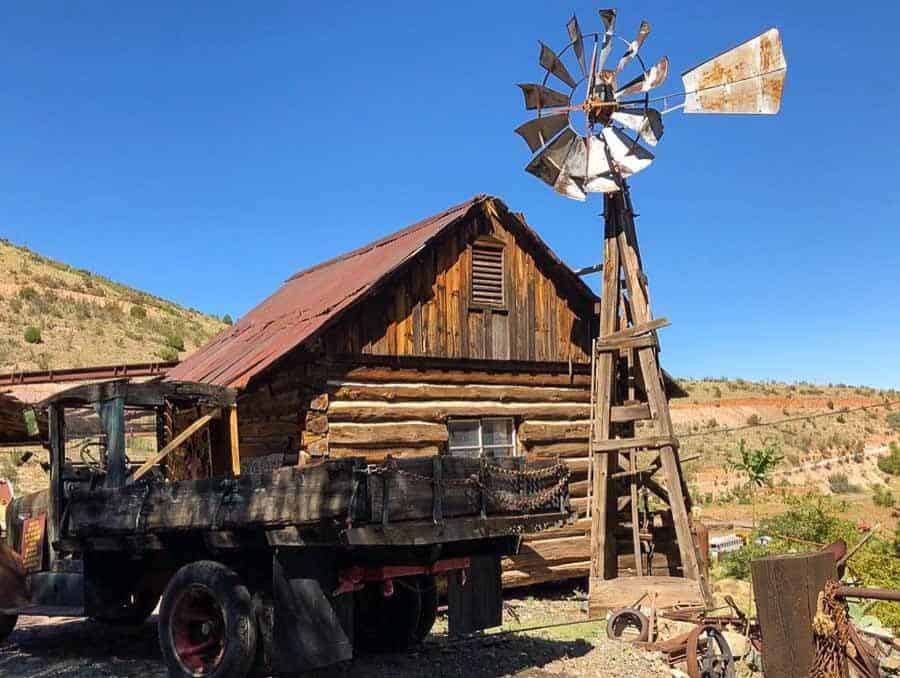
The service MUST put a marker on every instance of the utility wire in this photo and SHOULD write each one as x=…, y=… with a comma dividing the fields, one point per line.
x=788, y=420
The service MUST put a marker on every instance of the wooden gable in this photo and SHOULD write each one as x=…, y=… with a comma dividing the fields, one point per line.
x=443, y=305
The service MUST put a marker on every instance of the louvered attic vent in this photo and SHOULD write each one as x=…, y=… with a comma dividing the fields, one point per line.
x=487, y=275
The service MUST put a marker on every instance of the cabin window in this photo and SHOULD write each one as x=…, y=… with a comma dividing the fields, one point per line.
x=495, y=437
x=488, y=261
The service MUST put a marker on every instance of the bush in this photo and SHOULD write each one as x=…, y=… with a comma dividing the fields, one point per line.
x=830, y=404
x=840, y=484
x=28, y=294
x=753, y=420
x=891, y=463
x=175, y=341
x=227, y=319
x=882, y=496
x=138, y=312
x=893, y=420
x=32, y=335
x=168, y=354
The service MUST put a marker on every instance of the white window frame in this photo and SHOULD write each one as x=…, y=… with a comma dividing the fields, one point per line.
x=481, y=447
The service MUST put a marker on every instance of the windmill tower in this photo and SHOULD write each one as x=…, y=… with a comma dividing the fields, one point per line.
x=632, y=440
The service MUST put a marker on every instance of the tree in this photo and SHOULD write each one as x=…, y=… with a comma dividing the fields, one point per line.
x=757, y=466
x=33, y=335
x=227, y=319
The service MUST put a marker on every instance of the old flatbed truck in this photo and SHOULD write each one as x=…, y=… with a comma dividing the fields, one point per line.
x=282, y=571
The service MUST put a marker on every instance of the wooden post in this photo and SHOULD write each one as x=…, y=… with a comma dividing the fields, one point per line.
x=787, y=591
x=234, y=441
x=57, y=432
x=112, y=417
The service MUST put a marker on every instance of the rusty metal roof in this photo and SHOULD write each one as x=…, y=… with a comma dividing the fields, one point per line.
x=306, y=302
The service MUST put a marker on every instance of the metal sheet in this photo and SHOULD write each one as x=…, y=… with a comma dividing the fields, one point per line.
x=539, y=131
x=647, y=81
x=748, y=79
x=552, y=63
x=569, y=187
x=538, y=96
x=635, y=46
x=648, y=123
x=608, y=17
x=600, y=176
x=577, y=42
x=628, y=156
x=547, y=165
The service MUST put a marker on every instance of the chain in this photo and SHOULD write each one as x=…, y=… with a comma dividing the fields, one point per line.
x=529, y=502
x=832, y=635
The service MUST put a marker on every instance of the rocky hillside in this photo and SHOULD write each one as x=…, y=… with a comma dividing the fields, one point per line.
x=54, y=316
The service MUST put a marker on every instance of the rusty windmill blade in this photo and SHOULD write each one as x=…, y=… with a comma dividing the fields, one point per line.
x=551, y=63
x=646, y=122
x=645, y=82
x=540, y=97
x=577, y=42
x=608, y=17
x=547, y=165
x=748, y=79
x=538, y=132
x=601, y=177
x=635, y=46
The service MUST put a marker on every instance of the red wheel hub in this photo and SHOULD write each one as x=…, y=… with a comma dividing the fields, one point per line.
x=197, y=630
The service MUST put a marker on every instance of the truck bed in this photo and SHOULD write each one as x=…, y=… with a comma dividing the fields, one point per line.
x=344, y=502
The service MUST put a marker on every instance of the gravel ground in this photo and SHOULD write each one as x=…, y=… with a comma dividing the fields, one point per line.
x=41, y=648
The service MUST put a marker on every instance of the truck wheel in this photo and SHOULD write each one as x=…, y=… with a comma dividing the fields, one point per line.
x=7, y=624
x=387, y=624
x=206, y=623
x=429, y=597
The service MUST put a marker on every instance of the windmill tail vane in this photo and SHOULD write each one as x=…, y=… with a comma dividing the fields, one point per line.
x=592, y=145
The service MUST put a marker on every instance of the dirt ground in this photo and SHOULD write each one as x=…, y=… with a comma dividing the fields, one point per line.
x=70, y=648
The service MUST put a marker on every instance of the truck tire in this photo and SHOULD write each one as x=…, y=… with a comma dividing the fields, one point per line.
x=429, y=601
x=387, y=624
x=207, y=625
x=7, y=624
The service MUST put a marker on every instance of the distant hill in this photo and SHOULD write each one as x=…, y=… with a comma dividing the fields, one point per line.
x=53, y=316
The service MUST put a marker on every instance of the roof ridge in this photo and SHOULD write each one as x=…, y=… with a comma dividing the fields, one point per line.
x=391, y=237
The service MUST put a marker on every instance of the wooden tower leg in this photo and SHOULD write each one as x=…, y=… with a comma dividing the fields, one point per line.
x=627, y=338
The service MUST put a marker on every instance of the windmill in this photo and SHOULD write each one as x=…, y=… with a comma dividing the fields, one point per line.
x=595, y=145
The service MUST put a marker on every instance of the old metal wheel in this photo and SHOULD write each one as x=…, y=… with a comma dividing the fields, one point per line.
x=198, y=630
x=428, y=595
x=628, y=618
x=708, y=654
x=206, y=623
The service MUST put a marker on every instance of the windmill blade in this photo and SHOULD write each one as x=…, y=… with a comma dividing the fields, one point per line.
x=608, y=17
x=569, y=187
x=628, y=156
x=538, y=96
x=647, y=81
x=548, y=164
x=646, y=122
x=540, y=131
x=552, y=63
x=748, y=79
x=577, y=42
x=601, y=177
x=635, y=46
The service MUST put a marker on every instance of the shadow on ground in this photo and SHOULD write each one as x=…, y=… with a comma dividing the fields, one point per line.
x=81, y=648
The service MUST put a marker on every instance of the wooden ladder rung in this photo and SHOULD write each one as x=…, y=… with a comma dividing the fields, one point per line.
x=633, y=443
x=613, y=345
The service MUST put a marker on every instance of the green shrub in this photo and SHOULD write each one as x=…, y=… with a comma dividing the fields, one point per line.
x=28, y=294
x=32, y=335
x=138, y=312
x=840, y=484
x=893, y=420
x=891, y=463
x=882, y=496
x=227, y=319
x=175, y=341
x=168, y=354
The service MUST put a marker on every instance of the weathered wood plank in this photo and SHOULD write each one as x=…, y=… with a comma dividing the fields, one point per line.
x=406, y=433
x=400, y=391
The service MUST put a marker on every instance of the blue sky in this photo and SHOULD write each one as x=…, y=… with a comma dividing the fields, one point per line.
x=205, y=151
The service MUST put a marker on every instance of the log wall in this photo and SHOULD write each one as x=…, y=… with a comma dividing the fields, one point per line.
x=345, y=410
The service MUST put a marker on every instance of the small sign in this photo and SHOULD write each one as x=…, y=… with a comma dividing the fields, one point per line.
x=32, y=548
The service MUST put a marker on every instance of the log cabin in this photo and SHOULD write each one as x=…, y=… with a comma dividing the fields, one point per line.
x=463, y=334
